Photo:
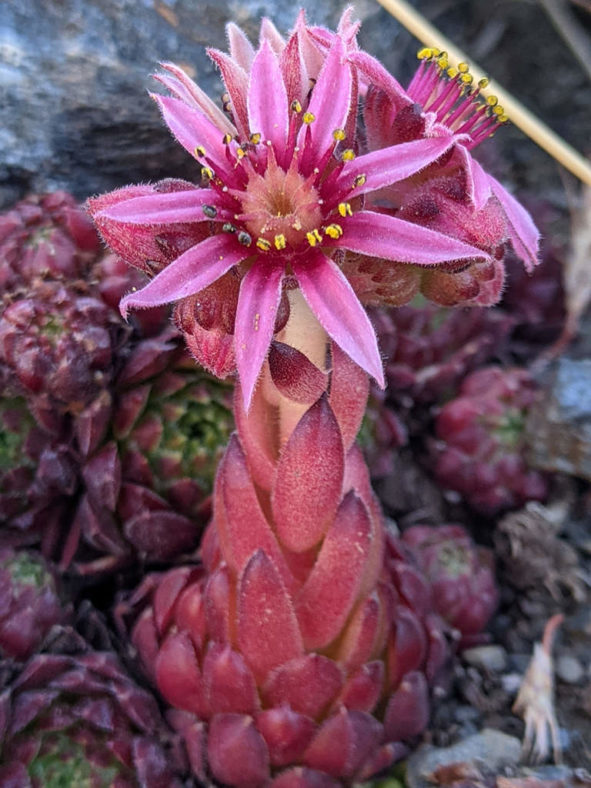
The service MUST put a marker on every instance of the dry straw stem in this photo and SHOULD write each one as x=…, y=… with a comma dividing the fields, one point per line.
x=416, y=24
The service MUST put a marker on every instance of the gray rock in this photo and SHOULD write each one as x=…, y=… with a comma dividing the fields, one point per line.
x=489, y=750
x=493, y=658
x=74, y=75
x=558, y=430
x=569, y=669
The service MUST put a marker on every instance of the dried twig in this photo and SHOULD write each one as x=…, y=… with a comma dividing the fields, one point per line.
x=415, y=23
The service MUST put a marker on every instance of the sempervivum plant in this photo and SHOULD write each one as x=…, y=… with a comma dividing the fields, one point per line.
x=57, y=346
x=460, y=573
x=480, y=446
x=29, y=603
x=45, y=235
x=297, y=653
x=78, y=719
x=430, y=349
x=38, y=477
x=150, y=453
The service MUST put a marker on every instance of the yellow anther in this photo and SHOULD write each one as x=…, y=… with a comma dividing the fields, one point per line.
x=498, y=110
x=463, y=68
x=227, y=139
x=344, y=209
x=254, y=139
x=207, y=172
x=483, y=83
x=435, y=52
x=263, y=244
x=240, y=153
x=296, y=106
x=452, y=72
x=467, y=79
x=492, y=101
x=280, y=242
x=199, y=150
x=359, y=180
x=308, y=117
x=348, y=155
x=339, y=135
x=334, y=230
x=314, y=237
x=424, y=53
x=442, y=61
x=503, y=118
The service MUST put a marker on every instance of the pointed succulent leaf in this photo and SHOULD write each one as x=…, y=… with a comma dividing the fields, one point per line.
x=309, y=479
x=407, y=713
x=327, y=597
x=343, y=743
x=237, y=752
x=357, y=644
x=178, y=675
x=408, y=646
x=255, y=433
x=229, y=683
x=364, y=688
x=302, y=777
x=308, y=684
x=296, y=377
x=286, y=733
x=220, y=605
x=268, y=633
x=242, y=527
x=349, y=389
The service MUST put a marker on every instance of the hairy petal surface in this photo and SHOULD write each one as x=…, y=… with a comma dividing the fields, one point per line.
x=333, y=301
x=193, y=271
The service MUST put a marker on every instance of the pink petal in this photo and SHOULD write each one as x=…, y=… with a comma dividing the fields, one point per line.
x=380, y=235
x=267, y=100
x=380, y=78
x=330, y=102
x=333, y=301
x=479, y=186
x=183, y=87
x=193, y=271
x=260, y=293
x=327, y=597
x=309, y=479
x=268, y=632
x=294, y=70
x=236, y=81
x=524, y=234
x=389, y=165
x=241, y=49
x=193, y=129
x=167, y=208
x=270, y=33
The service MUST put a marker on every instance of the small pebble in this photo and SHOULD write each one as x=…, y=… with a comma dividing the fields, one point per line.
x=492, y=658
x=569, y=669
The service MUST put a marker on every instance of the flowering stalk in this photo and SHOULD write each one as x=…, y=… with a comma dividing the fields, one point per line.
x=303, y=651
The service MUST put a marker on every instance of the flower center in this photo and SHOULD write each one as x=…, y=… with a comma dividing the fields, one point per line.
x=279, y=207
x=450, y=93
